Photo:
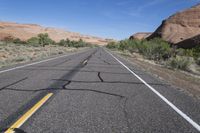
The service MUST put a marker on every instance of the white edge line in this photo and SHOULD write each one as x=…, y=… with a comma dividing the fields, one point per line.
x=7, y=70
x=187, y=118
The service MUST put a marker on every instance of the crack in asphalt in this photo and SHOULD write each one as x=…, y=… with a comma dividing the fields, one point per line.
x=111, y=82
x=67, y=89
x=106, y=62
x=72, y=72
x=22, y=109
x=66, y=84
x=16, y=82
x=99, y=75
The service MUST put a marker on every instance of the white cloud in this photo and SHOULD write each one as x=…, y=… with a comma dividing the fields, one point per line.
x=137, y=12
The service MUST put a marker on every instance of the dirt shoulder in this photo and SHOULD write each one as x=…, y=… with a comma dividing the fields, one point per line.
x=181, y=80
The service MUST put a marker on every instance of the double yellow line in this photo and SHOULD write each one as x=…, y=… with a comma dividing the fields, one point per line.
x=28, y=114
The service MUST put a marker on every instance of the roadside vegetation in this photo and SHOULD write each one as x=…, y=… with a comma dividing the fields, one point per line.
x=14, y=51
x=162, y=53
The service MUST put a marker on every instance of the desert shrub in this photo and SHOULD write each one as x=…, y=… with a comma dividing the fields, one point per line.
x=155, y=49
x=79, y=43
x=134, y=45
x=44, y=39
x=18, y=41
x=63, y=43
x=40, y=40
x=180, y=62
x=76, y=44
x=111, y=45
x=180, y=52
x=123, y=45
x=198, y=61
x=34, y=41
x=194, y=52
x=19, y=59
x=160, y=50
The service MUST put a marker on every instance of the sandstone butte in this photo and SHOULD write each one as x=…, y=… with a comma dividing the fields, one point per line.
x=181, y=29
x=140, y=35
x=26, y=31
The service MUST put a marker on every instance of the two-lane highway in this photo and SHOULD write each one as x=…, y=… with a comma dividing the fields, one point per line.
x=92, y=91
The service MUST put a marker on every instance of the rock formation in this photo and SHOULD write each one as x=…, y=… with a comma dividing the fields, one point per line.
x=26, y=31
x=180, y=26
x=140, y=35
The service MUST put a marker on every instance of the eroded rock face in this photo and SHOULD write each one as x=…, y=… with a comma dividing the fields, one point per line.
x=140, y=35
x=180, y=26
x=189, y=43
x=26, y=31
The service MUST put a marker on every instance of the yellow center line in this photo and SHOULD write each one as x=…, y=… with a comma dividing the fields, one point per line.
x=28, y=114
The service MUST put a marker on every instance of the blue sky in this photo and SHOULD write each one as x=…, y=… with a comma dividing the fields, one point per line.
x=116, y=19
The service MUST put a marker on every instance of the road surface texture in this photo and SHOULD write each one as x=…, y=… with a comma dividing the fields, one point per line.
x=92, y=91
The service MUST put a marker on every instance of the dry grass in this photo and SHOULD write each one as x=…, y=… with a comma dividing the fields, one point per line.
x=11, y=54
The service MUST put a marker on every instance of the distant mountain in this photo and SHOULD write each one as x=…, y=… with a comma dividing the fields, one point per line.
x=180, y=26
x=140, y=35
x=26, y=31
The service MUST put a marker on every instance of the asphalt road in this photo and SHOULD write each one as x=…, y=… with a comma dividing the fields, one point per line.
x=92, y=92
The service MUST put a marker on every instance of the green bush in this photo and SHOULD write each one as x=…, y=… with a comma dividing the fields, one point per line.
x=80, y=43
x=158, y=49
x=18, y=41
x=63, y=43
x=112, y=45
x=34, y=41
x=44, y=39
x=76, y=44
x=194, y=52
x=198, y=61
x=180, y=62
x=40, y=40
x=155, y=49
